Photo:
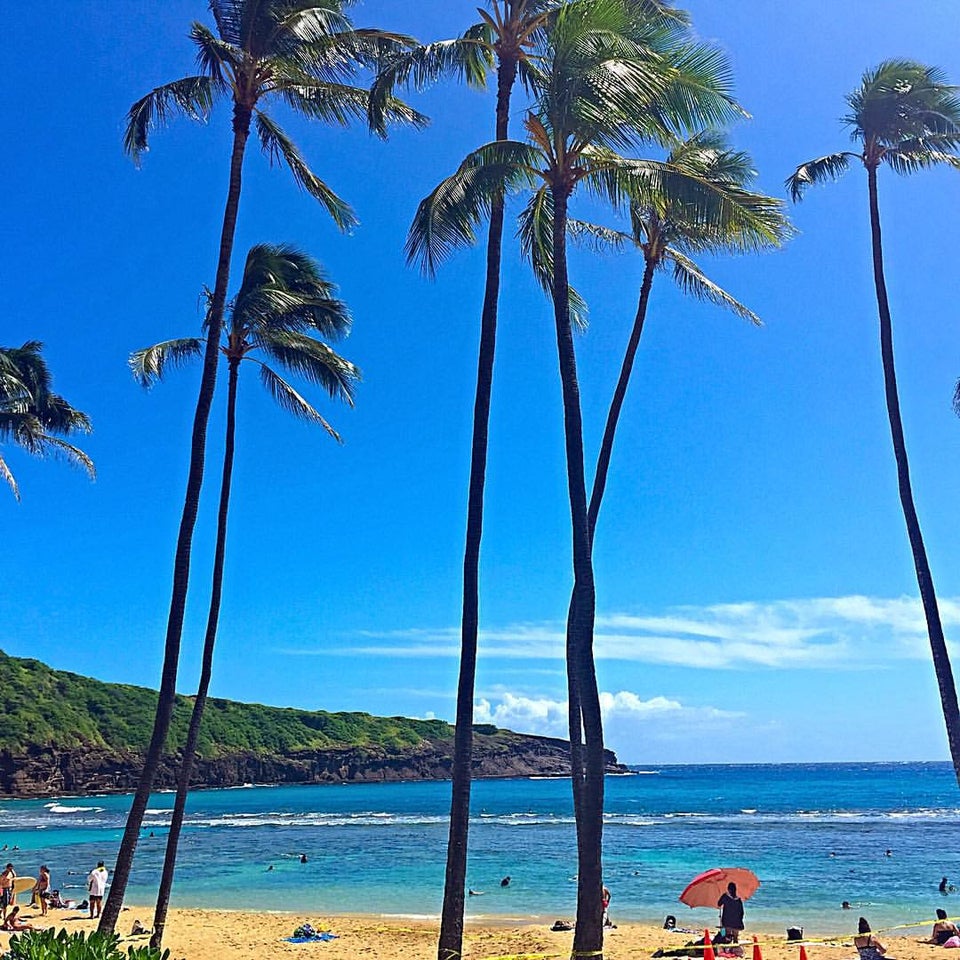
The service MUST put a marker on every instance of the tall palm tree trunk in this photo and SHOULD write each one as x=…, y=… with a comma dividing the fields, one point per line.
x=588, y=936
x=931, y=610
x=596, y=497
x=616, y=403
x=209, y=642
x=450, y=943
x=181, y=567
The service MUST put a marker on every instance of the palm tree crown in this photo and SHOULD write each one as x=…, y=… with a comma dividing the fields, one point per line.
x=729, y=217
x=903, y=114
x=301, y=52
x=283, y=299
x=34, y=417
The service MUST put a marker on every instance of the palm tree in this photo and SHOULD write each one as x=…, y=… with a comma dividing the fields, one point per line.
x=301, y=52
x=904, y=115
x=731, y=219
x=282, y=299
x=34, y=417
x=506, y=36
x=607, y=77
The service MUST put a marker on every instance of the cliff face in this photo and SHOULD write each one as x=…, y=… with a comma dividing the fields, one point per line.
x=49, y=771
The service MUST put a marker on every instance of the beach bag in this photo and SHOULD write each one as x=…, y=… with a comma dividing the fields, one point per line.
x=953, y=942
x=794, y=933
x=562, y=925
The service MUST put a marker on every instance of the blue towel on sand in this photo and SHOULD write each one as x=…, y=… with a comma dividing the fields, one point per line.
x=316, y=938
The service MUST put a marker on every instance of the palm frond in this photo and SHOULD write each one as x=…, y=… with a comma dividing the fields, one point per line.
x=469, y=57
x=291, y=401
x=191, y=96
x=446, y=219
x=311, y=359
x=278, y=146
x=310, y=22
x=215, y=57
x=227, y=16
x=911, y=156
x=693, y=282
x=830, y=167
x=598, y=238
x=340, y=104
x=536, y=241
x=956, y=399
x=5, y=474
x=66, y=451
x=149, y=364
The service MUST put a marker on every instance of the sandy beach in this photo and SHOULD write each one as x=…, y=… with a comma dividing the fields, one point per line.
x=201, y=934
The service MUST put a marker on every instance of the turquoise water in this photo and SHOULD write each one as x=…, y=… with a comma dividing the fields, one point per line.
x=815, y=834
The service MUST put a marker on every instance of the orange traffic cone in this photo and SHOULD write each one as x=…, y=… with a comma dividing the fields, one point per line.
x=756, y=950
x=803, y=952
x=708, y=953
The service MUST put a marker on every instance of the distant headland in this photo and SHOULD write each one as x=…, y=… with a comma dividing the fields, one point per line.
x=67, y=734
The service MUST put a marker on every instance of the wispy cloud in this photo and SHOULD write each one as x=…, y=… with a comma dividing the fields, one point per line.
x=815, y=633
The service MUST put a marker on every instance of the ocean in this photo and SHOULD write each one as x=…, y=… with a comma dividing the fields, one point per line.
x=815, y=834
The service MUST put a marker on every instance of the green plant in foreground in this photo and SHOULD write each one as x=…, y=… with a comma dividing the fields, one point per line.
x=51, y=945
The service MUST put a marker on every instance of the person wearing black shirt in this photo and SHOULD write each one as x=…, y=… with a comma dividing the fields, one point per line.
x=731, y=912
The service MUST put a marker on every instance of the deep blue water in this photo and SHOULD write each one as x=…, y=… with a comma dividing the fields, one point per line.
x=815, y=834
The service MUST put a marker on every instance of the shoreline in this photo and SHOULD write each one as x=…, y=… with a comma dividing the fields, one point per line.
x=245, y=934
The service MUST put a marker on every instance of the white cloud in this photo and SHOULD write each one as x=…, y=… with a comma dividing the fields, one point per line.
x=816, y=633
x=627, y=719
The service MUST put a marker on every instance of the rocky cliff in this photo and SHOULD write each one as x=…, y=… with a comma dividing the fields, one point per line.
x=49, y=771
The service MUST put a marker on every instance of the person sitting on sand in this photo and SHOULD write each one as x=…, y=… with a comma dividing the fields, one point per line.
x=7, y=896
x=14, y=924
x=868, y=946
x=943, y=930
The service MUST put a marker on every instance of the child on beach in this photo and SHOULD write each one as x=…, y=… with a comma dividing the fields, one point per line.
x=14, y=924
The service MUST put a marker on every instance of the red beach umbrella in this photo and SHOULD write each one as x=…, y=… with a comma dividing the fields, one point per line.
x=705, y=889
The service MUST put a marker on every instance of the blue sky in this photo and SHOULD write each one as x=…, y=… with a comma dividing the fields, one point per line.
x=755, y=587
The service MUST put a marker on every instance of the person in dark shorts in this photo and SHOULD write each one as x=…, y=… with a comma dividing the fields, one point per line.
x=731, y=912
x=97, y=887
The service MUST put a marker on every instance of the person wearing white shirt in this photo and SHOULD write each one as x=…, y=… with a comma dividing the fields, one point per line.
x=96, y=887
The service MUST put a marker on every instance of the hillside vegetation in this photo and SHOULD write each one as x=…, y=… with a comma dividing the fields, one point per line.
x=45, y=707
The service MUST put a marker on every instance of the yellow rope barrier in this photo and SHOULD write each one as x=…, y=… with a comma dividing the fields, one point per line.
x=805, y=941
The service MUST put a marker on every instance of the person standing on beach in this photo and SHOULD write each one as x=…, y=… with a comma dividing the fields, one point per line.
x=97, y=887
x=6, y=889
x=731, y=912
x=41, y=888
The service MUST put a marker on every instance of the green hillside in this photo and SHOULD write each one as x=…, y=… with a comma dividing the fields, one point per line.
x=45, y=707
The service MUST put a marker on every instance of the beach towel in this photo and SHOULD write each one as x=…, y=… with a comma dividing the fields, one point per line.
x=307, y=933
